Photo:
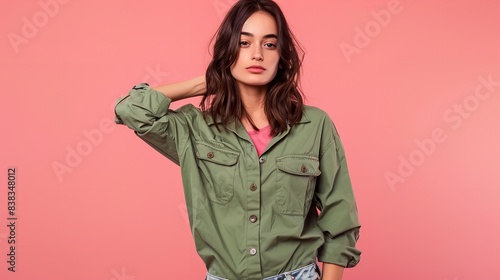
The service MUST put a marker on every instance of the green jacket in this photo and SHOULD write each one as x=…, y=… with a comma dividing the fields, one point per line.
x=250, y=216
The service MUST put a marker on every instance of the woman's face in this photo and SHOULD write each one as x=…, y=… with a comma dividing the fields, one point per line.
x=258, y=57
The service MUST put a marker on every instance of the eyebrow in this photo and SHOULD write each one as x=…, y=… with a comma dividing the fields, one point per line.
x=265, y=36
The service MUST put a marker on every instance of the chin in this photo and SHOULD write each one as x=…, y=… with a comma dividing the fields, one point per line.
x=256, y=82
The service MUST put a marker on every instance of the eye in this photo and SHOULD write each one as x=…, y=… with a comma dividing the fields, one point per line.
x=270, y=45
x=244, y=43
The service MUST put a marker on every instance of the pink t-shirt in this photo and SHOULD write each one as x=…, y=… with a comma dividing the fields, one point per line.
x=260, y=138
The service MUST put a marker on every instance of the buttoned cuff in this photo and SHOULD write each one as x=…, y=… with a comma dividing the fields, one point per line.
x=119, y=120
x=337, y=252
x=141, y=104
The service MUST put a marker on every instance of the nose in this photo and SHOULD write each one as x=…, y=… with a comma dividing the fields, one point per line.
x=257, y=54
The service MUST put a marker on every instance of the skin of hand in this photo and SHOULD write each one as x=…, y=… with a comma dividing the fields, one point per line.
x=332, y=271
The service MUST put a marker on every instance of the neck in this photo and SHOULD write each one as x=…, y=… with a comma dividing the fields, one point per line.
x=253, y=101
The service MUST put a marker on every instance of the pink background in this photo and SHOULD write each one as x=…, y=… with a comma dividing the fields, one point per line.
x=95, y=202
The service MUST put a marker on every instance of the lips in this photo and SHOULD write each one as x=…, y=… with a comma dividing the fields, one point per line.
x=256, y=67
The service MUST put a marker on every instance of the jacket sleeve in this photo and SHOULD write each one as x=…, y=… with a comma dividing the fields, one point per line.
x=146, y=111
x=334, y=197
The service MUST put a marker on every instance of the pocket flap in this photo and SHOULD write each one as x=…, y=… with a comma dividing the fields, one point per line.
x=302, y=165
x=205, y=151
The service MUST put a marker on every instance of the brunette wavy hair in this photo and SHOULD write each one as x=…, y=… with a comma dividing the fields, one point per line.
x=284, y=99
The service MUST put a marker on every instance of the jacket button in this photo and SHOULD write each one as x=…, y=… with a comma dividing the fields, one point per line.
x=253, y=218
x=210, y=155
x=303, y=169
x=252, y=251
x=253, y=187
x=262, y=160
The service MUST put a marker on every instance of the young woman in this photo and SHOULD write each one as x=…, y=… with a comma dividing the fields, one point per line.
x=257, y=164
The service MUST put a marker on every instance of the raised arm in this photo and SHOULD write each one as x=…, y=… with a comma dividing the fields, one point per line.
x=184, y=89
x=146, y=110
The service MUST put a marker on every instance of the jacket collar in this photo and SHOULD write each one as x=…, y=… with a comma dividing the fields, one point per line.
x=231, y=123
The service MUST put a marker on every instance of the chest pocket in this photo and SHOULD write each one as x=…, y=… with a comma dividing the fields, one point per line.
x=217, y=167
x=295, y=181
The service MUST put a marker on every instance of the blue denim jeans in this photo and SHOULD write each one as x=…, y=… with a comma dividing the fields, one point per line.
x=308, y=272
